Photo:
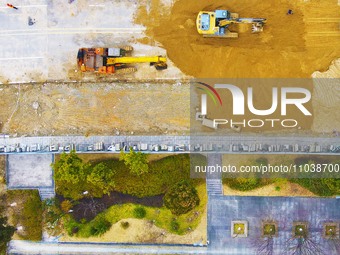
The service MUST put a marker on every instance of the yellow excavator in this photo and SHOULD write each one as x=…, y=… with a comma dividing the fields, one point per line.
x=216, y=23
x=114, y=60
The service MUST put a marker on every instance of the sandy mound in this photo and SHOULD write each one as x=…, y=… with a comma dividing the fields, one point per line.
x=141, y=231
x=326, y=99
x=290, y=46
x=286, y=189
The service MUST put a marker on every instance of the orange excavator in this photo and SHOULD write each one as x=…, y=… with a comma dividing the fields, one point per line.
x=114, y=60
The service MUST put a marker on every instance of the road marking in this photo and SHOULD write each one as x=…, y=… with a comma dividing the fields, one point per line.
x=97, y=5
x=21, y=58
x=78, y=32
x=80, y=28
x=128, y=30
x=25, y=6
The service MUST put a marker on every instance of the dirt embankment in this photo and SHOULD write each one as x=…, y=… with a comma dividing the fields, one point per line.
x=290, y=45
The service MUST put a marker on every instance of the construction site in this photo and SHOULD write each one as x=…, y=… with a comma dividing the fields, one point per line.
x=48, y=93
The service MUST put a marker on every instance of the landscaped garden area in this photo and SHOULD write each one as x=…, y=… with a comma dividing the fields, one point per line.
x=281, y=185
x=110, y=193
x=25, y=213
x=20, y=213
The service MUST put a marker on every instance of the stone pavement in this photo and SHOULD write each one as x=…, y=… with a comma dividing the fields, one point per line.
x=26, y=247
x=31, y=171
x=214, y=180
x=283, y=210
x=224, y=144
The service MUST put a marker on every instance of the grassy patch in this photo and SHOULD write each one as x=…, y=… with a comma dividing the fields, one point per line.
x=2, y=168
x=161, y=217
x=246, y=184
x=320, y=187
x=28, y=213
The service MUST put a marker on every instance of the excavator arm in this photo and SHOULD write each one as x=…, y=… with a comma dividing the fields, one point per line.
x=132, y=60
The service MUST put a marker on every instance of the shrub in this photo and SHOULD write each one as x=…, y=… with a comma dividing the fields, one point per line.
x=181, y=198
x=66, y=205
x=71, y=226
x=139, y=212
x=321, y=187
x=245, y=184
x=99, y=226
x=31, y=216
x=124, y=224
x=6, y=233
x=174, y=225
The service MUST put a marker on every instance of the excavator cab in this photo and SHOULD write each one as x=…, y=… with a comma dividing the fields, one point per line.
x=216, y=23
x=209, y=24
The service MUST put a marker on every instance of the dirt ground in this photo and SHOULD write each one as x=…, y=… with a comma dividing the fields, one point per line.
x=88, y=109
x=290, y=46
x=142, y=231
x=286, y=189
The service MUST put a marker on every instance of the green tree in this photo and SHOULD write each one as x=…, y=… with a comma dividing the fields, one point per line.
x=181, y=198
x=6, y=233
x=136, y=161
x=102, y=179
x=70, y=175
x=99, y=226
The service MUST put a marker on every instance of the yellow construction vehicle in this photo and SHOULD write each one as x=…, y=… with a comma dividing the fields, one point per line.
x=114, y=60
x=216, y=23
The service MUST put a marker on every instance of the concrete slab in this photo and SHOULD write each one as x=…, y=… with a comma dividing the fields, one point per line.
x=29, y=171
x=284, y=210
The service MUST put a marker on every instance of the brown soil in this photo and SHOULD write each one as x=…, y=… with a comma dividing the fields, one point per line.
x=140, y=231
x=290, y=45
x=101, y=108
x=326, y=99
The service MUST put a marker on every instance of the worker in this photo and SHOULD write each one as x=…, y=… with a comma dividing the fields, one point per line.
x=12, y=6
x=289, y=12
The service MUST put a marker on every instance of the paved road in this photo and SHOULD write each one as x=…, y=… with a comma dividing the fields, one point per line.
x=26, y=247
x=41, y=51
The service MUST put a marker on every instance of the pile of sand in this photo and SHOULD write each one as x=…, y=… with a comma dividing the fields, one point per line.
x=290, y=45
x=326, y=99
